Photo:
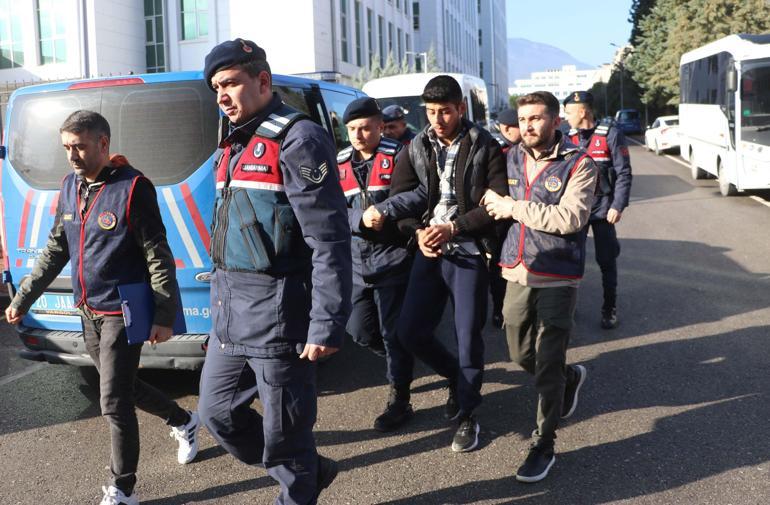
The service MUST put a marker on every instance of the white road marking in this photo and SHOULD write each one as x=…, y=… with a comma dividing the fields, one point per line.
x=18, y=375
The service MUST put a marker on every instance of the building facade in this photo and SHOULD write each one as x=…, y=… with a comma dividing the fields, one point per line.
x=493, y=51
x=561, y=82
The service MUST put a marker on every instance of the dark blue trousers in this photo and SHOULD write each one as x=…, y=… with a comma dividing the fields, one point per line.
x=374, y=318
x=281, y=438
x=465, y=281
x=607, y=250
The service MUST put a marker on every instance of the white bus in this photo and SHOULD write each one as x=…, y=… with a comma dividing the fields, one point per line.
x=724, y=112
x=406, y=89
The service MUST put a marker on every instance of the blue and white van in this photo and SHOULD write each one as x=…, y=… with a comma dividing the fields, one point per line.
x=167, y=125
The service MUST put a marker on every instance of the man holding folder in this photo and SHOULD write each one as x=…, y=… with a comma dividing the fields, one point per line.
x=108, y=226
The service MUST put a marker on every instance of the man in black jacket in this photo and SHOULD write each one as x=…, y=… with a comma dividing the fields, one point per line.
x=436, y=191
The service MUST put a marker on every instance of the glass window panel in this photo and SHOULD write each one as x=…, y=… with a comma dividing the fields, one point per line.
x=4, y=28
x=6, y=58
x=148, y=29
x=203, y=24
x=160, y=56
x=150, y=55
x=16, y=31
x=46, y=51
x=60, y=48
x=45, y=25
x=18, y=57
x=158, y=7
x=159, y=29
x=202, y=4
x=148, y=7
x=188, y=5
x=61, y=26
x=189, y=30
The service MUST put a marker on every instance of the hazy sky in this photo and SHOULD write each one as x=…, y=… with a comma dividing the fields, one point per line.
x=583, y=29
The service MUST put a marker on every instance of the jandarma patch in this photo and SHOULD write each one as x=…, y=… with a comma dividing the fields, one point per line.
x=107, y=220
x=552, y=183
x=255, y=168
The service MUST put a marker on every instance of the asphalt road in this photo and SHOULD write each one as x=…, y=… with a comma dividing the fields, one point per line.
x=675, y=408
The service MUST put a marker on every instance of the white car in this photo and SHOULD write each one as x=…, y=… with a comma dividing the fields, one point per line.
x=663, y=135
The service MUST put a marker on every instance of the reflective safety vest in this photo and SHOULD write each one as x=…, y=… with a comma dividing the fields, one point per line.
x=599, y=150
x=254, y=228
x=543, y=253
x=378, y=183
x=103, y=253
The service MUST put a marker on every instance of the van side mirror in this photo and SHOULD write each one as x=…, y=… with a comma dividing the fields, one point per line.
x=732, y=80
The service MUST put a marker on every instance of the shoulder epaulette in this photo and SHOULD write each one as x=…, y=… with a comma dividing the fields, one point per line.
x=602, y=130
x=345, y=154
x=572, y=132
x=388, y=146
x=277, y=122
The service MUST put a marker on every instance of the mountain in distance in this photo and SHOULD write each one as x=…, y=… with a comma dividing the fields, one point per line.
x=526, y=56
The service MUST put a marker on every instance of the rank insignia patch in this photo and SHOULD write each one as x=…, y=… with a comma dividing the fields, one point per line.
x=314, y=175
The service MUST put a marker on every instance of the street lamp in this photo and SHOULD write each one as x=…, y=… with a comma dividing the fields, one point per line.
x=622, y=71
x=416, y=54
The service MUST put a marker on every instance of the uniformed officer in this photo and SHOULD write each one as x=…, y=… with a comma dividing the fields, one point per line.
x=281, y=284
x=108, y=226
x=509, y=128
x=396, y=128
x=551, y=185
x=381, y=261
x=607, y=146
x=437, y=186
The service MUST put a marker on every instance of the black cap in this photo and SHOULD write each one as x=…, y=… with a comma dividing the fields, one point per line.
x=361, y=107
x=509, y=117
x=393, y=112
x=579, y=97
x=229, y=53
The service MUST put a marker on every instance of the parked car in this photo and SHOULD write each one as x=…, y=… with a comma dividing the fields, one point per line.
x=662, y=135
x=628, y=121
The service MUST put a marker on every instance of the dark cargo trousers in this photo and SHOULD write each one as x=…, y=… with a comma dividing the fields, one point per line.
x=538, y=322
x=607, y=250
x=120, y=392
x=281, y=438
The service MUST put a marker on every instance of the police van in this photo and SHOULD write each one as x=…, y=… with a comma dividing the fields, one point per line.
x=405, y=90
x=167, y=125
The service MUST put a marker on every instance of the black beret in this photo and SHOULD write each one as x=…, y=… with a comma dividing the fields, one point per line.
x=229, y=53
x=579, y=97
x=361, y=107
x=393, y=112
x=509, y=117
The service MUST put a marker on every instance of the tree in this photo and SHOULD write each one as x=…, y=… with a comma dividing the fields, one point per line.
x=512, y=101
x=431, y=61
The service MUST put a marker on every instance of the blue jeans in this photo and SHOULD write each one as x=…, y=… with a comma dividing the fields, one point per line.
x=465, y=281
x=281, y=438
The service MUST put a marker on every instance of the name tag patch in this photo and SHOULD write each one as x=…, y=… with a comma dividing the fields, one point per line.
x=66, y=217
x=255, y=168
x=513, y=182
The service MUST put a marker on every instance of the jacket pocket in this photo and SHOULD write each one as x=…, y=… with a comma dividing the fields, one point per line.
x=284, y=229
x=250, y=231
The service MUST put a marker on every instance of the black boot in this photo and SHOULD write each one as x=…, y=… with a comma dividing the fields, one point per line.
x=397, y=412
x=609, y=318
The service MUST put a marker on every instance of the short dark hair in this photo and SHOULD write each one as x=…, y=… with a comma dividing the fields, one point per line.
x=540, y=98
x=442, y=89
x=86, y=121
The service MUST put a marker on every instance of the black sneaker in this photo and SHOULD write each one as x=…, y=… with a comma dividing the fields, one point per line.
x=609, y=318
x=327, y=472
x=395, y=415
x=467, y=435
x=571, y=390
x=452, y=408
x=535, y=468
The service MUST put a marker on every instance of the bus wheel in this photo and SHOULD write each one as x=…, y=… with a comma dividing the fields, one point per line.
x=725, y=187
x=695, y=172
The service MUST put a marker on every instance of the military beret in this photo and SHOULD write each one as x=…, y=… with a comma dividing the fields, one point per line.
x=579, y=97
x=360, y=108
x=229, y=53
x=509, y=117
x=393, y=112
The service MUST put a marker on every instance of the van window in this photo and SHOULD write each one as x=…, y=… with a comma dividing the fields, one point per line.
x=479, y=108
x=166, y=130
x=336, y=103
x=416, y=119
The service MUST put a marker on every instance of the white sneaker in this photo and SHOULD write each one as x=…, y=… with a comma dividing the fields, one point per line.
x=187, y=436
x=114, y=496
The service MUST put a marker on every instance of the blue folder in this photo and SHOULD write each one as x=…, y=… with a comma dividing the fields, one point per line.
x=137, y=301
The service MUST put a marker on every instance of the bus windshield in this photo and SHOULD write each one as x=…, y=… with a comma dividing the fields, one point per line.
x=755, y=102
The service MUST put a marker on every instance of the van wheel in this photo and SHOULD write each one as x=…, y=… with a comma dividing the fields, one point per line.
x=725, y=187
x=695, y=172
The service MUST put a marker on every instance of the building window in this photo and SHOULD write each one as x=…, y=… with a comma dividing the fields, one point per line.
x=398, y=41
x=381, y=33
x=479, y=36
x=478, y=6
x=155, y=47
x=391, y=38
x=51, y=17
x=416, y=15
x=358, y=33
x=344, y=29
x=195, y=19
x=11, y=42
x=369, y=34
x=481, y=69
